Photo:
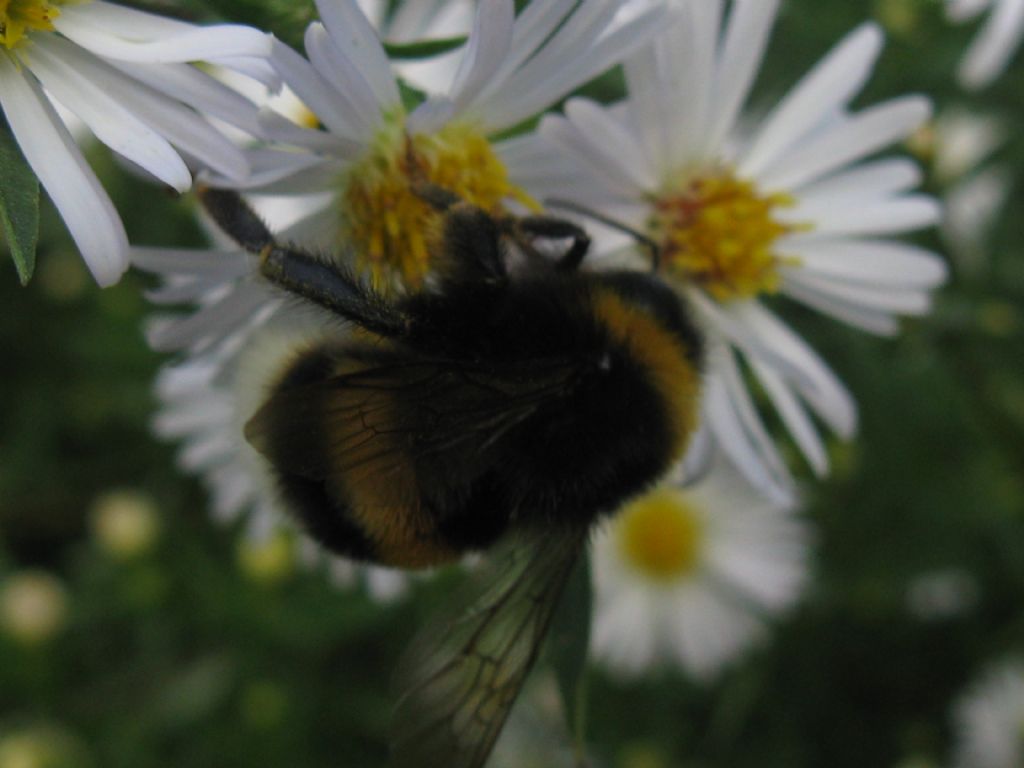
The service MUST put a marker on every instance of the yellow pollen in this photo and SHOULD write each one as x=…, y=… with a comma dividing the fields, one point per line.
x=661, y=535
x=18, y=17
x=719, y=233
x=394, y=232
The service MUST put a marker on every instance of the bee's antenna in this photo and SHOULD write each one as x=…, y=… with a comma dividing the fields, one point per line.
x=640, y=237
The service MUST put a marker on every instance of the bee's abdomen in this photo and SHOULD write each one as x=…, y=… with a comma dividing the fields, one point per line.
x=305, y=497
x=339, y=467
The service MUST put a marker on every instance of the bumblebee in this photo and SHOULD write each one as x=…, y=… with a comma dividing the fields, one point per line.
x=515, y=397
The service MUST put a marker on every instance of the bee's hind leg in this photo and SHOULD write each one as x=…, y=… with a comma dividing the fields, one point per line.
x=236, y=218
x=321, y=281
x=550, y=228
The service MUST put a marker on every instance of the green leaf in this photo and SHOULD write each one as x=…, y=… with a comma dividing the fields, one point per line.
x=568, y=643
x=411, y=97
x=19, y=204
x=423, y=49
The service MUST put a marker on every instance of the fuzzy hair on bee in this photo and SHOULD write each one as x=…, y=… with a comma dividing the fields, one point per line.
x=505, y=401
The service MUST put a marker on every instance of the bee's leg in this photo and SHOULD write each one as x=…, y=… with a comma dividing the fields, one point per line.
x=236, y=218
x=652, y=247
x=557, y=229
x=328, y=284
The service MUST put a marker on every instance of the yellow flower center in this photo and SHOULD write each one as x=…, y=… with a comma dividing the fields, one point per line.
x=392, y=230
x=661, y=535
x=17, y=17
x=719, y=233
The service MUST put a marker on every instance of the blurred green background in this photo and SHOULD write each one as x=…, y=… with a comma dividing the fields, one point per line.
x=153, y=637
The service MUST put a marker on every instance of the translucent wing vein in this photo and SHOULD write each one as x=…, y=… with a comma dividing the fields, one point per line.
x=461, y=675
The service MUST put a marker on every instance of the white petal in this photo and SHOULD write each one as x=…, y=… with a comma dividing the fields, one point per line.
x=179, y=125
x=354, y=92
x=204, y=263
x=51, y=152
x=189, y=85
x=358, y=40
x=759, y=554
x=994, y=46
x=232, y=489
x=739, y=430
x=709, y=630
x=207, y=451
x=558, y=54
x=194, y=415
x=648, y=105
x=202, y=328
x=128, y=22
x=431, y=115
x=731, y=321
x=532, y=28
x=489, y=43
x=258, y=69
x=959, y=11
x=699, y=458
x=575, y=55
x=881, y=217
x=793, y=416
x=871, y=321
x=80, y=24
x=588, y=151
x=314, y=91
x=269, y=168
x=815, y=381
x=909, y=301
x=859, y=136
x=277, y=128
x=606, y=134
x=690, y=64
x=376, y=11
x=880, y=178
x=183, y=291
x=878, y=262
x=432, y=20
x=670, y=82
x=536, y=163
x=115, y=126
x=830, y=84
x=750, y=26
x=623, y=636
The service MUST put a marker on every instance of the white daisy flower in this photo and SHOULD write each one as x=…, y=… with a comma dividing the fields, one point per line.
x=691, y=576
x=997, y=42
x=989, y=720
x=790, y=207
x=124, y=73
x=354, y=175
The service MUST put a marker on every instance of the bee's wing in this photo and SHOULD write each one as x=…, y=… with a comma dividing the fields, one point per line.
x=381, y=418
x=462, y=673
